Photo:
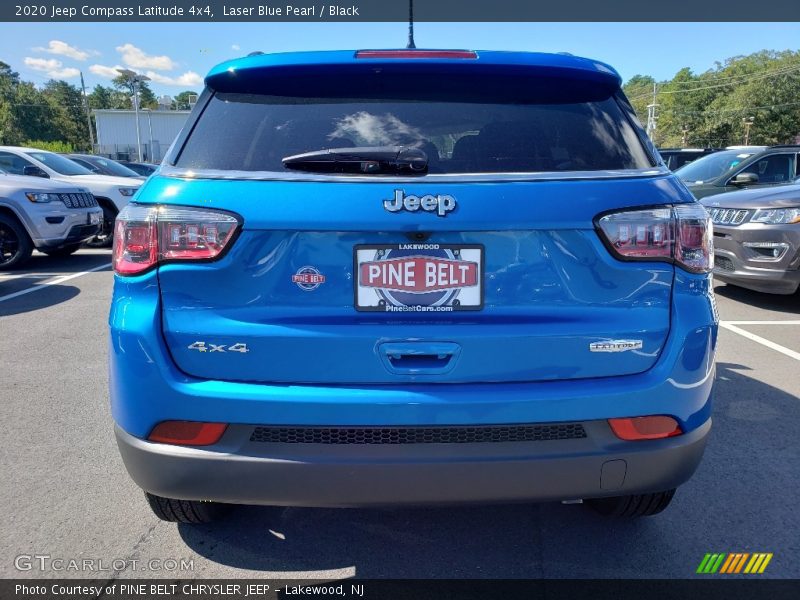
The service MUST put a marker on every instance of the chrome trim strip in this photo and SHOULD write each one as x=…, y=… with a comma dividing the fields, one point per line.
x=180, y=173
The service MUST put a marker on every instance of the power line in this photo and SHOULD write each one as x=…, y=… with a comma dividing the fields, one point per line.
x=774, y=72
x=748, y=78
x=731, y=110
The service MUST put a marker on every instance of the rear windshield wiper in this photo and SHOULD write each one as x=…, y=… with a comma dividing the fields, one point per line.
x=372, y=159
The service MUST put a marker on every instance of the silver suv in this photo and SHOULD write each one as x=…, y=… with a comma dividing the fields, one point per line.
x=51, y=216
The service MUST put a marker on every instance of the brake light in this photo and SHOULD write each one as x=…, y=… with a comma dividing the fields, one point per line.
x=645, y=428
x=681, y=234
x=145, y=236
x=416, y=54
x=187, y=433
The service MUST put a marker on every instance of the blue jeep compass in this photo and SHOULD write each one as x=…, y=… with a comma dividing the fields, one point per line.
x=388, y=277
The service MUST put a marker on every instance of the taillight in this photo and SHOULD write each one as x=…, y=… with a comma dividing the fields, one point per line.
x=681, y=234
x=145, y=236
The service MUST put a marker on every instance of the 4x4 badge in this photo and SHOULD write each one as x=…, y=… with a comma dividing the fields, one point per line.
x=439, y=204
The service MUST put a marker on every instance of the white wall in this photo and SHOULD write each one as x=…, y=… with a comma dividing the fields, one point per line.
x=116, y=131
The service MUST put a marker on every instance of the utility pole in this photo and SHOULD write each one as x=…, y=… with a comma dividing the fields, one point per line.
x=685, y=135
x=136, y=79
x=88, y=113
x=748, y=123
x=651, y=115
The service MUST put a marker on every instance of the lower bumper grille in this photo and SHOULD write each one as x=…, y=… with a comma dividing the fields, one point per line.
x=723, y=263
x=418, y=435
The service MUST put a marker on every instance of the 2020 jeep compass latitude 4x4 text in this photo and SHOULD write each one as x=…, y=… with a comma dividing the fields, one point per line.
x=409, y=277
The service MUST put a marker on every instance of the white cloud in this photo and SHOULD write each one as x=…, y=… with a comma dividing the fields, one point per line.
x=104, y=71
x=136, y=58
x=236, y=47
x=51, y=66
x=188, y=79
x=42, y=64
x=66, y=73
x=63, y=49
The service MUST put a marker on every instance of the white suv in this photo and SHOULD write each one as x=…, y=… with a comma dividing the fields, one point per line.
x=51, y=216
x=112, y=193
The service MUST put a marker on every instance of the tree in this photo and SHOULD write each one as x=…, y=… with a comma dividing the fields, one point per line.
x=9, y=82
x=68, y=113
x=181, y=101
x=126, y=83
x=101, y=97
x=764, y=85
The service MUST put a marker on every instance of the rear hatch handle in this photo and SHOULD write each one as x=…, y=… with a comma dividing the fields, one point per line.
x=419, y=358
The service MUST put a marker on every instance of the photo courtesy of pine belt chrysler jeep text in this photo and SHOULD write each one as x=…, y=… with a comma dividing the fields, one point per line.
x=394, y=277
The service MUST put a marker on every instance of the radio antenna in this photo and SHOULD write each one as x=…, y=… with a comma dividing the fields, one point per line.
x=411, y=25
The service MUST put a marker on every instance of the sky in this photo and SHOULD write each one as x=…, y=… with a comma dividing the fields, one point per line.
x=176, y=56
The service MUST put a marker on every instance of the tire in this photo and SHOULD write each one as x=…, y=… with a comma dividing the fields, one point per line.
x=105, y=238
x=185, y=511
x=15, y=244
x=636, y=505
x=64, y=251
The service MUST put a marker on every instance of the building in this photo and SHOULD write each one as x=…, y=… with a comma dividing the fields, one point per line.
x=116, y=132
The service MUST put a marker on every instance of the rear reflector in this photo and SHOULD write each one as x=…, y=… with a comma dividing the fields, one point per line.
x=416, y=54
x=145, y=236
x=645, y=428
x=680, y=234
x=187, y=433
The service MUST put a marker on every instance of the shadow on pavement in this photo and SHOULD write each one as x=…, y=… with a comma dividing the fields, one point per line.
x=787, y=304
x=741, y=498
x=44, y=298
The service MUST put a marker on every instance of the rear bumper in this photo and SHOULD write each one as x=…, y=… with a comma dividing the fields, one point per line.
x=239, y=471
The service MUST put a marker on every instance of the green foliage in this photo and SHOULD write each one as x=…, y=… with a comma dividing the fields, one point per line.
x=126, y=84
x=181, y=101
x=711, y=106
x=56, y=146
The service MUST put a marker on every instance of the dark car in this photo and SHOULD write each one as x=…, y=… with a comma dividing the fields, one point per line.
x=675, y=158
x=757, y=238
x=732, y=170
x=143, y=169
x=102, y=165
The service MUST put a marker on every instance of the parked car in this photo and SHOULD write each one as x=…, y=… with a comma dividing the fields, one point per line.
x=408, y=277
x=757, y=238
x=53, y=217
x=144, y=169
x=675, y=158
x=103, y=166
x=733, y=170
x=111, y=193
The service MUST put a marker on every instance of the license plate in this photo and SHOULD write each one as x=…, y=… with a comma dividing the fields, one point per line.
x=93, y=218
x=418, y=277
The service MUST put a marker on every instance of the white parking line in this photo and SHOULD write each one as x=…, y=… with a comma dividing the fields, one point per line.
x=763, y=341
x=41, y=286
x=26, y=275
x=762, y=322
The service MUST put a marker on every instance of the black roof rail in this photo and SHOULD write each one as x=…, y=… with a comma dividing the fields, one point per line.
x=784, y=146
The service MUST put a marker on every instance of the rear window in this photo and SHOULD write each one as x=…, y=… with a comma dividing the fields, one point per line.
x=253, y=132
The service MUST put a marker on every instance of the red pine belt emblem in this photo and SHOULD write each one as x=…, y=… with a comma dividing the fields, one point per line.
x=418, y=274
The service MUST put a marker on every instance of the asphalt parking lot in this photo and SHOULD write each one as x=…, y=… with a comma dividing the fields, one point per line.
x=66, y=494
